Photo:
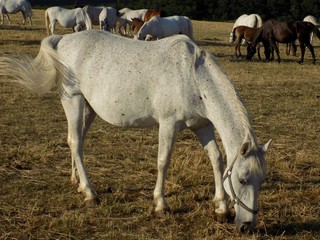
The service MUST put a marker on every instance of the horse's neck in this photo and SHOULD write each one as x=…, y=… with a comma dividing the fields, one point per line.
x=226, y=110
x=257, y=38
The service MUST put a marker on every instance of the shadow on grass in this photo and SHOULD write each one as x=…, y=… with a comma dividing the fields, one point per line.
x=293, y=229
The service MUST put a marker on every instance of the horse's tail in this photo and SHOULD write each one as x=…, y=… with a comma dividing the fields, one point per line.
x=47, y=20
x=87, y=19
x=316, y=31
x=233, y=35
x=27, y=9
x=41, y=74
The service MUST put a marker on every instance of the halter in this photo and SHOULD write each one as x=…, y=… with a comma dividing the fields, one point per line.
x=236, y=199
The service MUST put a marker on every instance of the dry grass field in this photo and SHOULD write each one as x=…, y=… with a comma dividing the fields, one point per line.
x=37, y=200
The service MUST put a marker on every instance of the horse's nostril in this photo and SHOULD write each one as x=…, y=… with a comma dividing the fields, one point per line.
x=245, y=228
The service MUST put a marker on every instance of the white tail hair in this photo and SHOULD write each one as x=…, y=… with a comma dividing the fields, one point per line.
x=41, y=74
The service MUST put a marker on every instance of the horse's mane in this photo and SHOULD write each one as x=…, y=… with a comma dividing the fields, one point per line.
x=257, y=166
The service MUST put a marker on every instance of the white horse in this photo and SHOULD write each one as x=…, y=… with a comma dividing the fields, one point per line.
x=77, y=19
x=126, y=16
x=314, y=21
x=108, y=19
x=159, y=27
x=93, y=13
x=252, y=20
x=176, y=87
x=15, y=6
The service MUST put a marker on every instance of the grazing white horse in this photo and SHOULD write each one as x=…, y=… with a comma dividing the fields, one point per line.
x=108, y=19
x=178, y=86
x=126, y=16
x=159, y=27
x=252, y=20
x=314, y=21
x=77, y=19
x=15, y=6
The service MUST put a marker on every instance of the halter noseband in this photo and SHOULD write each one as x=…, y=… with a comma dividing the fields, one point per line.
x=236, y=199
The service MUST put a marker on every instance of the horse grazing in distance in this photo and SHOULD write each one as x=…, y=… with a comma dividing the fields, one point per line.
x=179, y=86
x=126, y=16
x=77, y=19
x=273, y=32
x=158, y=27
x=247, y=33
x=14, y=6
x=252, y=20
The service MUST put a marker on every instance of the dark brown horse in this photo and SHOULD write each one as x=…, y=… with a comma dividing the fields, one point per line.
x=247, y=33
x=273, y=31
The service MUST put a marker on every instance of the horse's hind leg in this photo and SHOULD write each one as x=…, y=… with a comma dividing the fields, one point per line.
x=74, y=108
x=208, y=141
x=167, y=135
x=308, y=44
x=24, y=17
x=88, y=118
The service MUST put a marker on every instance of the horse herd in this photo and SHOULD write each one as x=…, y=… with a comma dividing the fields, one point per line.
x=179, y=86
x=271, y=33
x=149, y=24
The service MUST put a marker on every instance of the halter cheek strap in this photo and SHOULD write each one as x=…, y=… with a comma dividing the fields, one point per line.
x=235, y=198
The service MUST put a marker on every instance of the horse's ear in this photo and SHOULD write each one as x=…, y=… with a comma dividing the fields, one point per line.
x=245, y=148
x=265, y=147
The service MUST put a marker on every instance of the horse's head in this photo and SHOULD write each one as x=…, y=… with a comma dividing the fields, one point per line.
x=251, y=50
x=242, y=181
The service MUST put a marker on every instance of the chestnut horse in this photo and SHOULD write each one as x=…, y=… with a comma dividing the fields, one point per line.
x=273, y=31
x=150, y=13
x=247, y=33
x=137, y=22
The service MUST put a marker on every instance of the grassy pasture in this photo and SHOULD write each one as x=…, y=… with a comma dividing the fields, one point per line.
x=37, y=200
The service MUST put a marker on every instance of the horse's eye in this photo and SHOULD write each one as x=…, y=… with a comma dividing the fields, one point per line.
x=243, y=181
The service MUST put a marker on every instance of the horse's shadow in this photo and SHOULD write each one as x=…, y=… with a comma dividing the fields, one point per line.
x=292, y=229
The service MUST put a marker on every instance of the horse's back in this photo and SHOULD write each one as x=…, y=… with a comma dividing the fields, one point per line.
x=135, y=79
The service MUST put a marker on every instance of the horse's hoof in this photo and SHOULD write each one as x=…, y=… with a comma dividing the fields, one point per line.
x=90, y=203
x=162, y=213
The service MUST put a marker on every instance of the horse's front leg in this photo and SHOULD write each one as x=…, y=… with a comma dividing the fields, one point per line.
x=74, y=107
x=207, y=138
x=167, y=135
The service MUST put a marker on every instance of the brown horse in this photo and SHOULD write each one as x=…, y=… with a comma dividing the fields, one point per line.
x=273, y=31
x=136, y=24
x=247, y=33
x=150, y=13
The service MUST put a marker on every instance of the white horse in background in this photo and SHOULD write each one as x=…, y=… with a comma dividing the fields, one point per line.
x=314, y=21
x=93, y=13
x=179, y=86
x=77, y=19
x=126, y=16
x=14, y=6
x=252, y=20
x=158, y=27
x=108, y=19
